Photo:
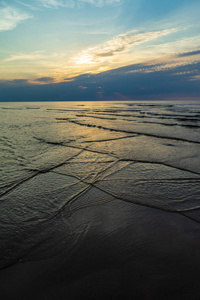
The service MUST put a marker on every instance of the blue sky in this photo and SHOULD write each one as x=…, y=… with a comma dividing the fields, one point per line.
x=52, y=45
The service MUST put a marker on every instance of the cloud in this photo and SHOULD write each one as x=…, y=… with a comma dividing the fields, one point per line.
x=44, y=80
x=191, y=53
x=115, y=84
x=13, y=82
x=196, y=77
x=164, y=67
x=25, y=56
x=73, y=3
x=170, y=63
x=19, y=81
x=119, y=44
x=100, y=3
x=32, y=7
x=10, y=17
x=57, y=3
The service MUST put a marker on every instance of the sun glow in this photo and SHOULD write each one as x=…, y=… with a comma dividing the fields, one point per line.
x=85, y=59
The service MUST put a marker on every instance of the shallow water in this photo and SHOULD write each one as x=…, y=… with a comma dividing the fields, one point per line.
x=113, y=158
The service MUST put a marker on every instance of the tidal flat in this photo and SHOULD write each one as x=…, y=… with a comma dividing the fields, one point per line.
x=100, y=200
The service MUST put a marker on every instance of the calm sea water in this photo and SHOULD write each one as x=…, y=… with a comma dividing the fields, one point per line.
x=59, y=159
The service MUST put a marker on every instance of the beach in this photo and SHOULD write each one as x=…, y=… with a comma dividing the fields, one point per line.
x=100, y=200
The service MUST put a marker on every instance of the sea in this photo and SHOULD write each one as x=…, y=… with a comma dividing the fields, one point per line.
x=100, y=200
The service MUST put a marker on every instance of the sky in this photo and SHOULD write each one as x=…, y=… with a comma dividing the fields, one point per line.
x=56, y=50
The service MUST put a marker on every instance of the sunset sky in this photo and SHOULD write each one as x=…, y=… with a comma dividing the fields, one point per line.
x=99, y=49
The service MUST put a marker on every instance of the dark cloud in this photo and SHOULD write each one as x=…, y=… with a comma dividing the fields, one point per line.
x=45, y=79
x=134, y=82
x=195, y=52
x=111, y=52
x=19, y=81
x=69, y=79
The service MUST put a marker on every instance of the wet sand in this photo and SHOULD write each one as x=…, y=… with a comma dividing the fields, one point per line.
x=116, y=250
